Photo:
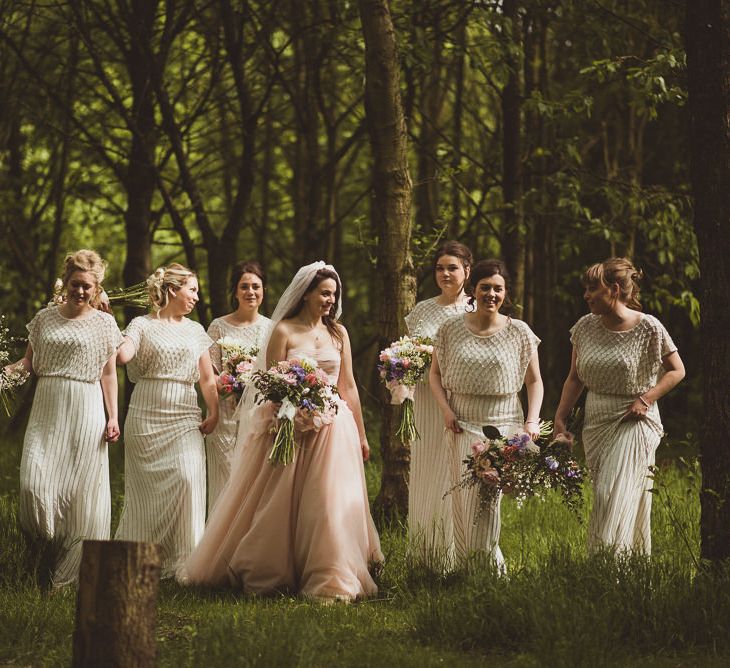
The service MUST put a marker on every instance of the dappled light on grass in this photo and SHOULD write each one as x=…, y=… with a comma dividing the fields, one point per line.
x=556, y=606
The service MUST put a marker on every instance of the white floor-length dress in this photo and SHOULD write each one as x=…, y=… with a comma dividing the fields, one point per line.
x=482, y=376
x=64, y=470
x=164, y=451
x=617, y=367
x=429, y=516
x=219, y=444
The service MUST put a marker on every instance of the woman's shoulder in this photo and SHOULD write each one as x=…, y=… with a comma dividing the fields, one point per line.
x=521, y=326
x=454, y=322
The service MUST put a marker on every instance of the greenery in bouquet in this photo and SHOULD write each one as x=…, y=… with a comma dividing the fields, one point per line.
x=12, y=376
x=238, y=365
x=523, y=468
x=305, y=398
x=401, y=366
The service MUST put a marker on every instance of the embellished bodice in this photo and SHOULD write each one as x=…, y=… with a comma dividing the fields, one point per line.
x=75, y=348
x=428, y=315
x=486, y=365
x=625, y=363
x=249, y=336
x=165, y=350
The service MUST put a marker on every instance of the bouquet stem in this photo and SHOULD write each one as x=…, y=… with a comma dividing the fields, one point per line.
x=407, y=431
x=282, y=452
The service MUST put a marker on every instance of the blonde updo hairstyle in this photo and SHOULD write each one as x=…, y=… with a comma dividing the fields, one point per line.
x=159, y=283
x=88, y=261
x=622, y=272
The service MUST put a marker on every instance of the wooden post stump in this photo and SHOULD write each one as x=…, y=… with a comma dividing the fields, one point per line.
x=116, y=607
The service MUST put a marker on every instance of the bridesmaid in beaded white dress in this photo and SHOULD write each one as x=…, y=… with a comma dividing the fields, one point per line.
x=64, y=471
x=164, y=452
x=429, y=517
x=627, y=360
x=247, y=327
x=481, y=361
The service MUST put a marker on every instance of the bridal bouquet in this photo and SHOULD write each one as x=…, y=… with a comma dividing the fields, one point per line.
x=12, y=376
x=519, y=466
x=401, y=366
x=306, y=397
x=238, y=364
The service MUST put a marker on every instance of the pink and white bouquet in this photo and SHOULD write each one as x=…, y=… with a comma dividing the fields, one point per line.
x=238, y=364
x=401, y=366
x=12, y=376
x=306, y=401
x=523, y=468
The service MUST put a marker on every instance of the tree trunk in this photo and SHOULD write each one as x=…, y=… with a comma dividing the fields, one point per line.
x=116, y=604
x=708, y=59
x=391, y=222
x=513, y=237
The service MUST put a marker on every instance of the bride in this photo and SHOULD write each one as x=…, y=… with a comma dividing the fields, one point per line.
x=305, y=527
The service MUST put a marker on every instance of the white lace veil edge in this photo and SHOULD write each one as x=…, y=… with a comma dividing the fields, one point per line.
x=288, y=300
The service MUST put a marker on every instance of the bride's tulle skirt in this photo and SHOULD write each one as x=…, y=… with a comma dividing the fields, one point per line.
x=304, y=528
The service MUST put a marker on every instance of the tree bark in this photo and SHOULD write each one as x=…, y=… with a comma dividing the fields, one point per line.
x=116, y=604
x=513, y=237
x=391, y=223
x=708, y=59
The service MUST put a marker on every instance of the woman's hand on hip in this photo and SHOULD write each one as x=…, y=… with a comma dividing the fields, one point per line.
x=452, y=422
x=637, y=410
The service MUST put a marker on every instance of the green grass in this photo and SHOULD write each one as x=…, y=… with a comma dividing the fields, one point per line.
x=557, y=607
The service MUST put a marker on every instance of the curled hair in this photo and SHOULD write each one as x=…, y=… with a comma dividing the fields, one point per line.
x=457, y=250
x=330, y=320
x=162, y=279
x=88, y=261
x=622, y=272
x=485, y=269
x=245, y=267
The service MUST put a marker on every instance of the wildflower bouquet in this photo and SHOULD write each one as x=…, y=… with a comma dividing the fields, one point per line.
x=12, y=376
x=306, y=397
x=402, y=365
x=519, y=466
x=238, y=363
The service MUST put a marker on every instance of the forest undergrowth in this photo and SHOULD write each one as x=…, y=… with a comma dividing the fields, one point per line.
x=556, y=607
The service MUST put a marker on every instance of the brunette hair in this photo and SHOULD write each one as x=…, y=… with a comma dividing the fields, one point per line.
x=88, y=261
x=330, y=320
x=484, y=269
x=159, y=283
x=244, y=267
x=619, y=270
x=458, y=250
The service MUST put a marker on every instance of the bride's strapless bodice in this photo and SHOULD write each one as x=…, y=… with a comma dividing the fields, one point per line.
x=328, y=360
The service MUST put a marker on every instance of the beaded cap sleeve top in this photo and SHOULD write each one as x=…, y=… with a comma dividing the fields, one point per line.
x=251, y=336
x=427, y=316
x=75, y=348
x=166, y=350
x=486, y=365
x=627, y=362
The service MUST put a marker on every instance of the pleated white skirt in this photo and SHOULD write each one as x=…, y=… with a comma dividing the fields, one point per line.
x=619, y=455
x=164, y=470
x=475, y=530
x=64, y=470
x=219, y=447
x=430, y=530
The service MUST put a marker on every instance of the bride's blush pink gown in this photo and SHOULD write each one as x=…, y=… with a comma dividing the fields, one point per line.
x=305, y=527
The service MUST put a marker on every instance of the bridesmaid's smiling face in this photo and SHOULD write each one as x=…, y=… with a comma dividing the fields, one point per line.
x=490, y=293
x=186, y=296
x=601, y=299
x=80, y=289
x=250, y=291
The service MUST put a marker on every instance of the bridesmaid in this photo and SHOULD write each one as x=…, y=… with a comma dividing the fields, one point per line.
x=627, y=360
x=248, y=328
x=481, y=361
x=64, y=470
x=429, y=525
x=164, y=453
